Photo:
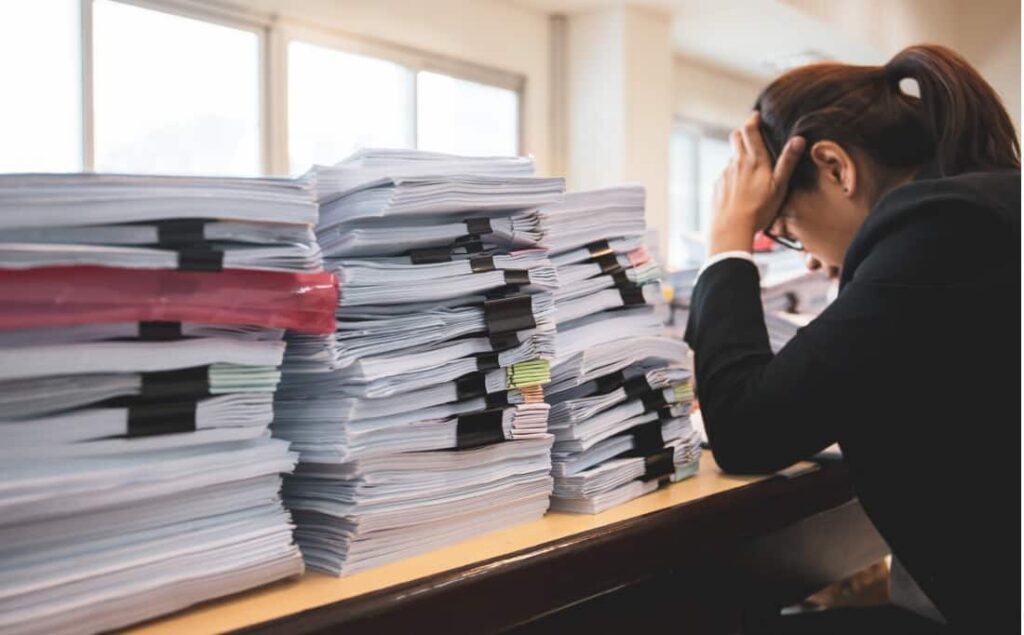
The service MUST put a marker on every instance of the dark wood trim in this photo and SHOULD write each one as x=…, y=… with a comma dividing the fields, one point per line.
x=517, y=588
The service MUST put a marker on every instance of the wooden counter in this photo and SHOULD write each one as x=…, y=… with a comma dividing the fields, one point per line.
x=512, y=577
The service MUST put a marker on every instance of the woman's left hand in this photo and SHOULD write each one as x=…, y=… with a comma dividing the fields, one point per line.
x=750, y=191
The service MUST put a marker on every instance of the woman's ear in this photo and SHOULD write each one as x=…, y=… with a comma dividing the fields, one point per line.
x=835, y=166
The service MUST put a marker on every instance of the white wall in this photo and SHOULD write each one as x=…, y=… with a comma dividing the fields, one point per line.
x=488, y=32
x=711, y=96
x=987, y=33
x=596, y=107
x=649, y=80
x=517, y=37
x=619, y=69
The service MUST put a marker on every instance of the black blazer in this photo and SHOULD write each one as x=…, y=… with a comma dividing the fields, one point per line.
x=914, y=370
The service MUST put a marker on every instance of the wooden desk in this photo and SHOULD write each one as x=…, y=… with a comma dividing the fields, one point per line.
x=739, y=537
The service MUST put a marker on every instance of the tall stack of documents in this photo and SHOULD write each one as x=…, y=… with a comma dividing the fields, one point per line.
x=140, y=348
x=620, y=392
x=423, y=422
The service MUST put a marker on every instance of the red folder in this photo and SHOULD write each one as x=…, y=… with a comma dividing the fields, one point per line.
x=55, y=296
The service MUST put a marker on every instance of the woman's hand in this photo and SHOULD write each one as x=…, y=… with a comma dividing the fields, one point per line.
x=749, y=192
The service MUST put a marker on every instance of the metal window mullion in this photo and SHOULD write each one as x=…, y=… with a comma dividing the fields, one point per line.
x=410, y=57
x=222, y=13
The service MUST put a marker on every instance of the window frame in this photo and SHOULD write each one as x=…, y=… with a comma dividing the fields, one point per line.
x=413, y=59
x=274, y=33
x=696, y=130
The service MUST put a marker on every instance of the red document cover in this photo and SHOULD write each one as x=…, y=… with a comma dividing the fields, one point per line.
x=55, y=296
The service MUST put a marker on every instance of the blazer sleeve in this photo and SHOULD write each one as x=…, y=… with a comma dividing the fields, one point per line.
x=859, y=363
x=763, y=412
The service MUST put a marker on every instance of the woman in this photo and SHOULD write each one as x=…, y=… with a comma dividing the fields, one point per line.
x=913, y=369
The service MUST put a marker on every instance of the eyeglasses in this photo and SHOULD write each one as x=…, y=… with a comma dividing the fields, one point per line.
x=783, y=239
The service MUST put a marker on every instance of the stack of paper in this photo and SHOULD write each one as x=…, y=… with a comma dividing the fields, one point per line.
x=681, y=283
x=620, y=392
x=791, y=295
x=791, y=300
x=137, y=471
x=444, y=336
x=368, y=165
x=193, y=223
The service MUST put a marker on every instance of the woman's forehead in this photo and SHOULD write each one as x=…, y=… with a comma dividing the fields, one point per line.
x=800, y=202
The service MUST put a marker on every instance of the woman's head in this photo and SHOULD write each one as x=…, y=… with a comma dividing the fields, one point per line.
x=864, y=134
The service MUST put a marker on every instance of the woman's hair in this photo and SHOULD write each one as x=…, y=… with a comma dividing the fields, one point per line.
x=958, y=121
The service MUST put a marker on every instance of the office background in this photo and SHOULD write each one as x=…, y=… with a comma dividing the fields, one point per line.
x=600, y=92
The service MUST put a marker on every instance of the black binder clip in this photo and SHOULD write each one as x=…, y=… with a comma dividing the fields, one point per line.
x=479, y=428
x=509, y=314
x=181, y=232
x=602, y=253
x=659, y=465
x=599, y=248
x=481, y=264
x=665, y=414
x=647, y=439
x=186, y=382
x=467, y=245
x=497, y=399
x=487, y=361
x=517, y=277
x=632, y=295
x=610, y=382
x=503, y=341
x=637, y=386
x=430, y=256
x=154, y=331
x=653, y=400
x=200, y=259
x=478, y=226
x=470, y=386
x=151, y=418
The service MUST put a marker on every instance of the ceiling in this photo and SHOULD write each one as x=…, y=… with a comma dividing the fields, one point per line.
x=755, y=38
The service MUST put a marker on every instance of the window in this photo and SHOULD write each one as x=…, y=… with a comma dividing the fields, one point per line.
x=697, y=159
x=40, y=71
x=463, y=117
x=339, y=102
x=174, y=94
x=186, y=87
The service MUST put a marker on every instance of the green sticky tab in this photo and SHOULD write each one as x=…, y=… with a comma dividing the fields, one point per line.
x=531, y=373
x=686, y=471
x=229, y=378
x=683, y=392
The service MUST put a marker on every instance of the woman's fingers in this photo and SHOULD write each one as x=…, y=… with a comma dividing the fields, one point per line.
x=786, y=164
x=736, y=141
x=752, y=140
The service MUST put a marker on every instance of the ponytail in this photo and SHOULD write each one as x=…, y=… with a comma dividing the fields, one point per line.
x=957, y=122
x=963, y=114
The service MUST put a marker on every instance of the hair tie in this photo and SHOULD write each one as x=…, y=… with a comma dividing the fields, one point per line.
x=892, y=74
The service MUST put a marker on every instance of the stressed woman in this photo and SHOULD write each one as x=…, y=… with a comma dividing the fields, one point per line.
x=914, y=369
